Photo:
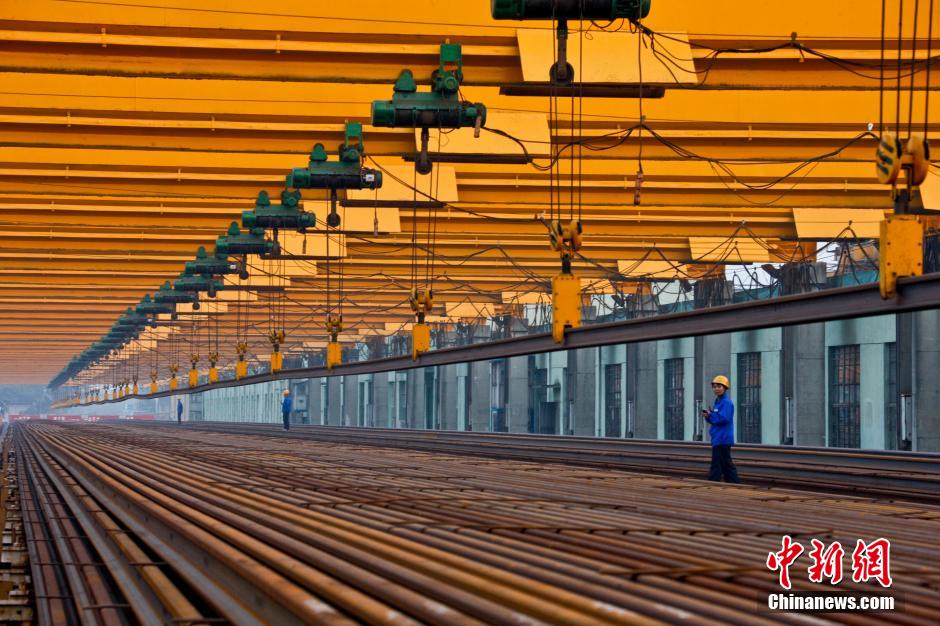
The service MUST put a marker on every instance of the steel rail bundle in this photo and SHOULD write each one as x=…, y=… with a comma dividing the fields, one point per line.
x=913, y=294
x=902, y=475
x=284, y=530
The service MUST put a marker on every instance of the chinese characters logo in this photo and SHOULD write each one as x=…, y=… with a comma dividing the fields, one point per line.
x=869, y=561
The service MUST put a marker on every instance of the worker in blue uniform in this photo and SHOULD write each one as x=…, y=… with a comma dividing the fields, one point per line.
x=286, y=405
x=179, y=411
x=721, y=431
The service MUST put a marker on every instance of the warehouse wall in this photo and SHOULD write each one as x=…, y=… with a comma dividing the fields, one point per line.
x=794, y=388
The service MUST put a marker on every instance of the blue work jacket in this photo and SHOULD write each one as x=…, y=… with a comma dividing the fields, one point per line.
x=721, y=419
x=287, y=404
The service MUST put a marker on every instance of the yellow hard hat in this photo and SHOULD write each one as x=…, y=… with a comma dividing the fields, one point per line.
x=722, y=380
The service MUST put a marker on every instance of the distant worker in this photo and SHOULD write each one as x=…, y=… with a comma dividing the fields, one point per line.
x=721, y=431
x=286, y=405
x=179, y=411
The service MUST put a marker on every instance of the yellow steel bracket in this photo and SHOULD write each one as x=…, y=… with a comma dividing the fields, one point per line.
x=421, y=304
x=565, y=239
x=334, y=351
x=154, y=388
x=241, y=367
x=136, y=388
x=902, y=251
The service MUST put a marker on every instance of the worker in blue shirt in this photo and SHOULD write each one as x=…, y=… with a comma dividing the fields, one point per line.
x=286, y=405
x=179, y=411
x=721, y=430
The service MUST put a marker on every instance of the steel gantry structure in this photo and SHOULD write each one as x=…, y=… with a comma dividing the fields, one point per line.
x=133, y=133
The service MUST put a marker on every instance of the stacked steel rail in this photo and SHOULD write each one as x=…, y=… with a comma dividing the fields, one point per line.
x=878, y=473
x=284, y=530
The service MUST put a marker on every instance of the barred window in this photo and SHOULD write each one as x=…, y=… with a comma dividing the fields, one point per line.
x=844, y=405
x=748, y=409
x=674, y=401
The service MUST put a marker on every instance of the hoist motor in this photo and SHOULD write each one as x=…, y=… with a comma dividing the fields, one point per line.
x=204, y=265
x=151, y=309
x=439, y=108
x=345, y=173
x=131, y=319
x=168, y=295
x=198, y=284
x=235, y=242
x=570, y=9
x=284, y=216
x=562, y=72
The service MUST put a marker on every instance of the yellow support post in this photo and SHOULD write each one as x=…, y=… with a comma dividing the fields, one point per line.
x=902, y=251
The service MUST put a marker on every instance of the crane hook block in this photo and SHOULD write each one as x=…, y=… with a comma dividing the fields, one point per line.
x=888, y=159
x=902, y=251
x=420, y=340
x=566, y=304
x=334, y=354
x=919, y=150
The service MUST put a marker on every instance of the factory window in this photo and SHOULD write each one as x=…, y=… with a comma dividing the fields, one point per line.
x=365, y=408
x=892, y=429
x=844, y=405
x=748, y=383
x=674, y=401
x=543, y=400
x=499, y=394
x=613, y=396
x=403, y=421
x=430, y=398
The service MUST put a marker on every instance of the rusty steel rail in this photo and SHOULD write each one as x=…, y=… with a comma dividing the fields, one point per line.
x=887, y=474
x=261, y=529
